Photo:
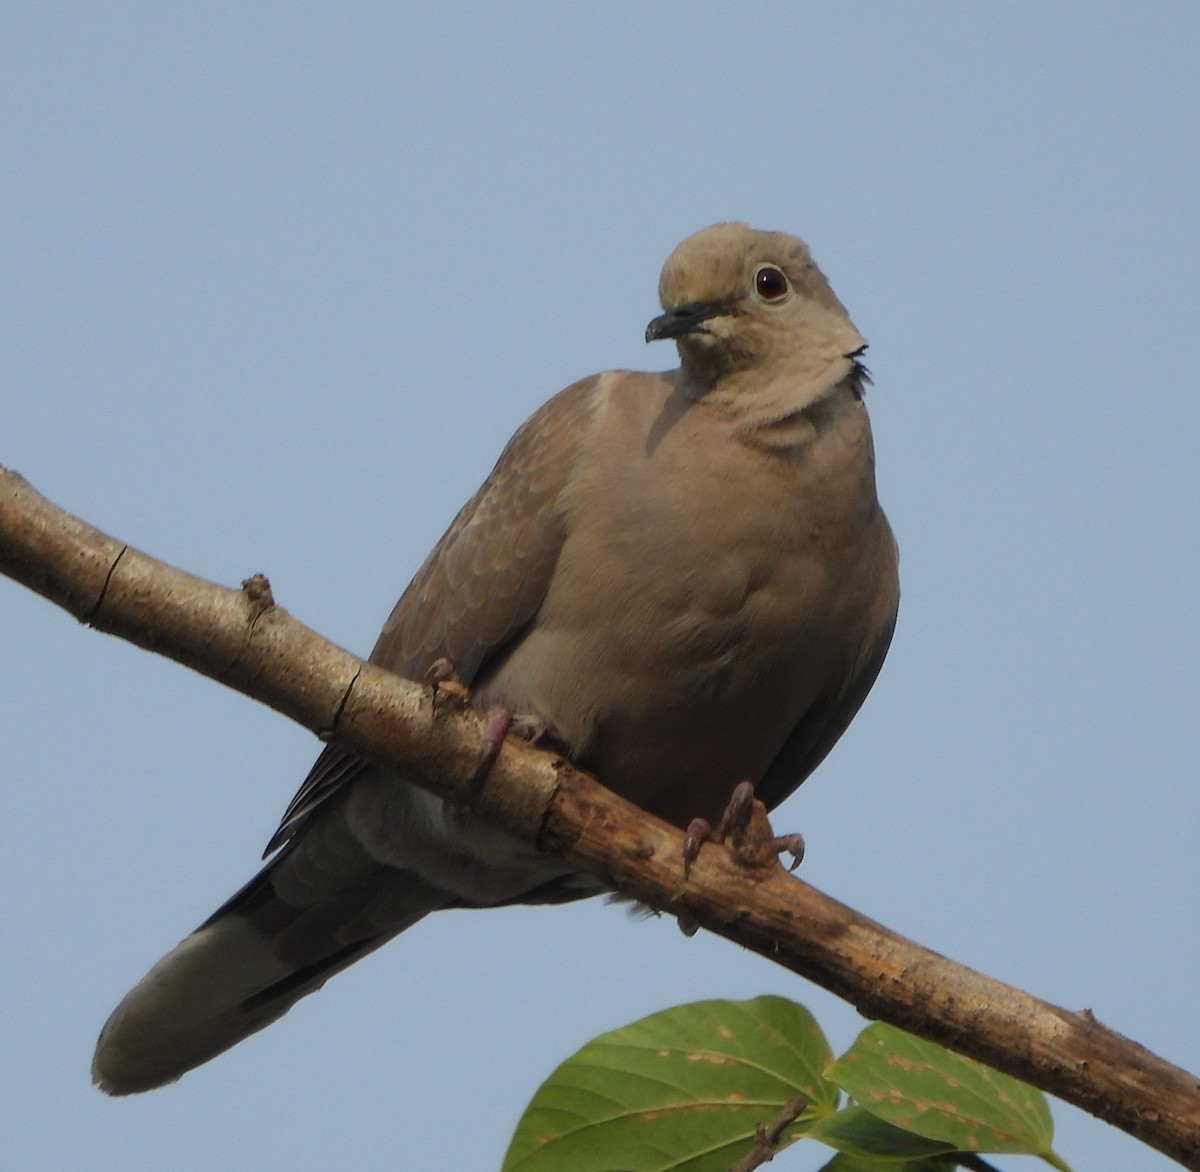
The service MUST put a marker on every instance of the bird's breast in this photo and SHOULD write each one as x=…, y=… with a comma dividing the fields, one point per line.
x=696, y=604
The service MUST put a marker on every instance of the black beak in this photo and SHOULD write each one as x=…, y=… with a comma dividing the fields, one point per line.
x=683, y=319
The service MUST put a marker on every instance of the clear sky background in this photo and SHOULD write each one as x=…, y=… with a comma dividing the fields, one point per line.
x=278, y=282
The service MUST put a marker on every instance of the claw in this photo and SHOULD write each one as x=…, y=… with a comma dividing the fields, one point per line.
x=698, y=832
x=533, y=729
x=500, y=721
x=746, y=831
x=791, y=844
x=442, y=676
x=440, y=671
x=445, y=681
x=497, y=720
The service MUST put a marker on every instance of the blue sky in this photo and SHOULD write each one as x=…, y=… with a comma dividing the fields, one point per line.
x=279, y=282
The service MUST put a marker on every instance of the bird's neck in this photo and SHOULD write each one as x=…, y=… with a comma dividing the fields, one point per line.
x=786, y=411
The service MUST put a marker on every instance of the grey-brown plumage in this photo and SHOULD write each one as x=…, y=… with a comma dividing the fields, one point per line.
x=686, y=577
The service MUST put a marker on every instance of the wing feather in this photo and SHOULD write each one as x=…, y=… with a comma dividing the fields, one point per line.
x=483, y=582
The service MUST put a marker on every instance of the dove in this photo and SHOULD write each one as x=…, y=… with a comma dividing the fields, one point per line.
x=684, y=580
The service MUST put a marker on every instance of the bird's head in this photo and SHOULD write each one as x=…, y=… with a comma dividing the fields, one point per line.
x=739, y=300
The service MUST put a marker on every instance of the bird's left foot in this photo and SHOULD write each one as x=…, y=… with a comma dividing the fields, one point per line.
x=746, y=831
x=499, y=719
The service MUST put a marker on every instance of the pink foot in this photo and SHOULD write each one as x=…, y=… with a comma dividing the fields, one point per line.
x=747, y=832
x=497, y=721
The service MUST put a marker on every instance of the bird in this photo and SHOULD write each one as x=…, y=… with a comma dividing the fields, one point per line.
x=683, y=579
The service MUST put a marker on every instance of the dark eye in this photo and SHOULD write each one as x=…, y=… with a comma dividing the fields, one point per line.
x=771, y=283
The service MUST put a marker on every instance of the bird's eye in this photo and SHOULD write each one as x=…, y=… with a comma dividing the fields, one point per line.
x=771, y=283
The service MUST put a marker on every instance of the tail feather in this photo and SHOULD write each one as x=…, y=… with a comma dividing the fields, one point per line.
x=307, y=915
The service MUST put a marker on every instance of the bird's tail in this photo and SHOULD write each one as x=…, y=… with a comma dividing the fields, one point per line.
x=317, y=907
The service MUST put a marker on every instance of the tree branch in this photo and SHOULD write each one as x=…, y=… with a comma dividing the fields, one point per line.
x=242, y=639
x=765, y=1138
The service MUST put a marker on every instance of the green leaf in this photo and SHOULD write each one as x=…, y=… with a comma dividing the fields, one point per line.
x=681, y=1090
x=844, y=1163
x=864, y=1135
x=923, y=1088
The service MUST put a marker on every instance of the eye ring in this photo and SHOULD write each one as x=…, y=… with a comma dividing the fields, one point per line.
x=770, y=284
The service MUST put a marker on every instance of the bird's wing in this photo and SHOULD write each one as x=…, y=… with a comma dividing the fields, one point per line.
x=825, y=721
x=484, y=580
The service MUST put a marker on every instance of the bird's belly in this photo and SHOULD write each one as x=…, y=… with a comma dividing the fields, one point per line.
x=683, y=690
